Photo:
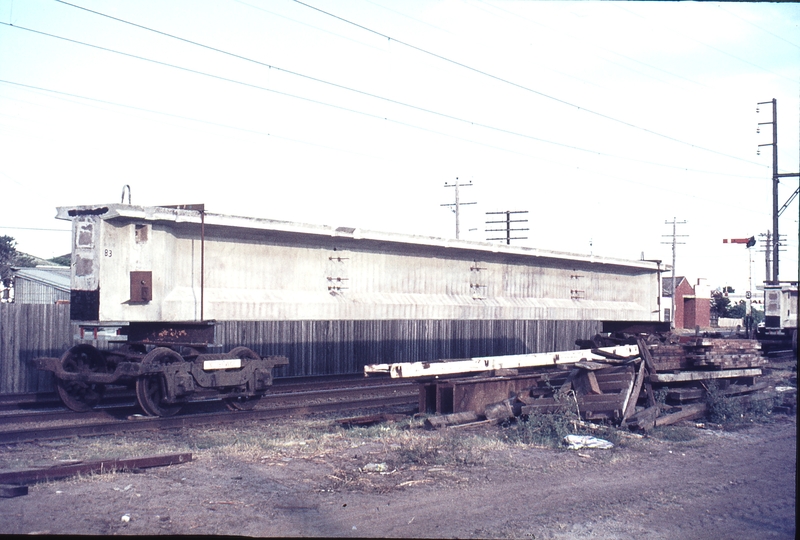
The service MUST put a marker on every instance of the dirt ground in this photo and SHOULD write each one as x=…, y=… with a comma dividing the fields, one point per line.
x=311, y=477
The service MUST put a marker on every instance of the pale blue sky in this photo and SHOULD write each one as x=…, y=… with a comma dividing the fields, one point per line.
x=603, y=120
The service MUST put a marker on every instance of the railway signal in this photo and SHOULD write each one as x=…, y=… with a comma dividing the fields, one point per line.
x=750, y=242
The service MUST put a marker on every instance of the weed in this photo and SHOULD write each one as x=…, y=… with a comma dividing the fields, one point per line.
x=660, y=395
x=547, y=429
x=732, y=411
x=721, y=408
x=675, y=433
x=418, y=451
x=443, y=447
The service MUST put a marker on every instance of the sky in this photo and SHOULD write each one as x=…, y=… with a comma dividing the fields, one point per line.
x=603, y=121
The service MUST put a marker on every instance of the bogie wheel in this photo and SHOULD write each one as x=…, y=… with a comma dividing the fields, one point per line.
x=242, y=403
x=151, y=389
x=76, y=395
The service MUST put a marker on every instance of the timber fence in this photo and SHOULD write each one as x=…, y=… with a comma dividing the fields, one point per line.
x=28, y=331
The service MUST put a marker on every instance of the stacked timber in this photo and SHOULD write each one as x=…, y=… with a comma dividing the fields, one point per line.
x=683, y=373
x=724, y=353
x=705, y=354
x=659, y=381
x=597, y=391
x=703, y=359
x=669, y=357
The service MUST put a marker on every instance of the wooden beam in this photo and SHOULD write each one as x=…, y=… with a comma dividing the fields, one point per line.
x=490, y=363
x=440, y=421
x=7, y=491
x=703, y=375
x=586, y=383
x=689, y=412
x=633, y=397
x=644, y=351
x=644, y=419
x=109, y=465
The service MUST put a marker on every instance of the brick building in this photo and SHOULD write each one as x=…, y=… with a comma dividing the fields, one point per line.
x=692, y=303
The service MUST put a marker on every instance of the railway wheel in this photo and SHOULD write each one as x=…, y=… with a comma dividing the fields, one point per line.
x=151, y=390
x=77, y=395
x=242, y=403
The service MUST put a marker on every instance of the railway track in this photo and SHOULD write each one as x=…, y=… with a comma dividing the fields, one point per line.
x=45, y=400
x=287, y=399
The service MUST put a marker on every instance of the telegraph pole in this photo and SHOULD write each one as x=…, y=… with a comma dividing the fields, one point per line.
x=508, y=221
x=769, y=249
x=776, y=237
x=458, y=203
x=674, y=242
x=767, y=253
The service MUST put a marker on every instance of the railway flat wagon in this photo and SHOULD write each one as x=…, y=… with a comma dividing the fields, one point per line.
x=176, y=286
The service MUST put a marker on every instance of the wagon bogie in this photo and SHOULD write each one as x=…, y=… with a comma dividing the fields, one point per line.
x=164, y=379
x=79, y=393
x=152, y=386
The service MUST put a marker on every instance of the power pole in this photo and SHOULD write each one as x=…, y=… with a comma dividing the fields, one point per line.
x=775, y=181
x=769, y=249
x=767, y=253
x=458, y=203
x=508, y=221
x=674, y=242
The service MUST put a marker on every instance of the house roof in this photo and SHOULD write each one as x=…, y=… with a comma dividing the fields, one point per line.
x=57, y=277
x=666, y=284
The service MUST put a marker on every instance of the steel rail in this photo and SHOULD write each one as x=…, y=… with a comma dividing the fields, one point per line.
x=145, y=423
x=30, y=400
x=130, y=407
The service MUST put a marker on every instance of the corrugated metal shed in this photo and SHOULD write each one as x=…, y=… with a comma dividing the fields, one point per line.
x=42, y=285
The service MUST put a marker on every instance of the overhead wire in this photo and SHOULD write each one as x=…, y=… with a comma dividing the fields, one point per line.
x=15, y=228
x=596, y=46
x=349, y=110
x=518, y=85
x=281, y=16
x=757, y=26
x=713, y=48
x=663, y=188
x=336, y=85
x=256, y=132
x=361, y=92
x=176, y=116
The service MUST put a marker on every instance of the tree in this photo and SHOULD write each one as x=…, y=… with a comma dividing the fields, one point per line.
x=8, y=250
x=720, y=304
x=9, y=256
x=738, y=310
x=62, y=260
x=8, y=253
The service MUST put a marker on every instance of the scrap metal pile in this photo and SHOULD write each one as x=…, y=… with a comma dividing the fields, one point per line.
x=627, y=381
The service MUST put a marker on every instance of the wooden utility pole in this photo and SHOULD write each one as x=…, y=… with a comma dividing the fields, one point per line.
x=457, y=204
x=767, y=253
x=674, y=242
